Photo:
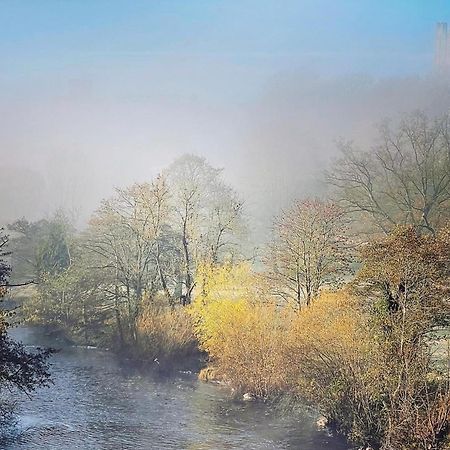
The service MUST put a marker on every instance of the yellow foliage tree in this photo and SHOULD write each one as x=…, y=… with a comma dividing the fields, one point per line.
x=242, y=334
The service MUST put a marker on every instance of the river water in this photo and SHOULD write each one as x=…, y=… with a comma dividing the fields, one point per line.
x=97, y=402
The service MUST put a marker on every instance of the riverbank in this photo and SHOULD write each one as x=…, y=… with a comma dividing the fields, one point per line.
x=161, y=363
x=99, y=401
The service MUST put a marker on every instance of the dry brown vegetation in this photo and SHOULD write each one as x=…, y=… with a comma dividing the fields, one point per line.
x=165, y=333
x=363, y=355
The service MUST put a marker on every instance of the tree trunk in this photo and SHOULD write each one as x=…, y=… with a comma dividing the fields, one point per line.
x=187, y=262
x=117, y=314
x=163, y=279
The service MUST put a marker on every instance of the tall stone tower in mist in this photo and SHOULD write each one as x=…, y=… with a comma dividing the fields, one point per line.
x=442, y=49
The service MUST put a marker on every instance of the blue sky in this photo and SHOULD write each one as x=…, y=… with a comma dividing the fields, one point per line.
x=335, y=36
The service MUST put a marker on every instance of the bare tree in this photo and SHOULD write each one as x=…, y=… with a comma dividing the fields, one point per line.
x=225, y=223
x=309, y=250
x=123, y=236
x=155, y=199
x=405, y=179
x=207, y=214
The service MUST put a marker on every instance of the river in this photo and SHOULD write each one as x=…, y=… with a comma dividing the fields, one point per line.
x=97, y=402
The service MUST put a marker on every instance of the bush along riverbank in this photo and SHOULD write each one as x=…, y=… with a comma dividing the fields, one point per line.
x=366, y=356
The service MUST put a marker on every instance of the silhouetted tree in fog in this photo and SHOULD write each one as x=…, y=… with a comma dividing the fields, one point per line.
x=404, y=179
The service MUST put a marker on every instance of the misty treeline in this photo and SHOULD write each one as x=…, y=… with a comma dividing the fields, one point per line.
x=346, y=307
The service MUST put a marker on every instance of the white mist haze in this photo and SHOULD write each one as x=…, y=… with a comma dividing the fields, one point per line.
x=76, y=123
x=69, y=149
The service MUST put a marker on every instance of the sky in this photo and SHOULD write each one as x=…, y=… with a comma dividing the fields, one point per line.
x=101, y=93
x=60, y=37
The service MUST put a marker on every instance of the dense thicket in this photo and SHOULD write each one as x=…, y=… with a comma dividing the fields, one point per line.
x=121, y=280
x=372, y=357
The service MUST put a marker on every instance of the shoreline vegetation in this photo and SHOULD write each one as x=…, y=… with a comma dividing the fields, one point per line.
x=21, y=370
x=345, y=309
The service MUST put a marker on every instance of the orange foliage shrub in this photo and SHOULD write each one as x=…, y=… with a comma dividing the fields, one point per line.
x=334, y=362
x=361, y=365
x=243, y=336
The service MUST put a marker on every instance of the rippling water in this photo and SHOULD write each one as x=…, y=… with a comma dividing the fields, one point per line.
x=99, y=403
